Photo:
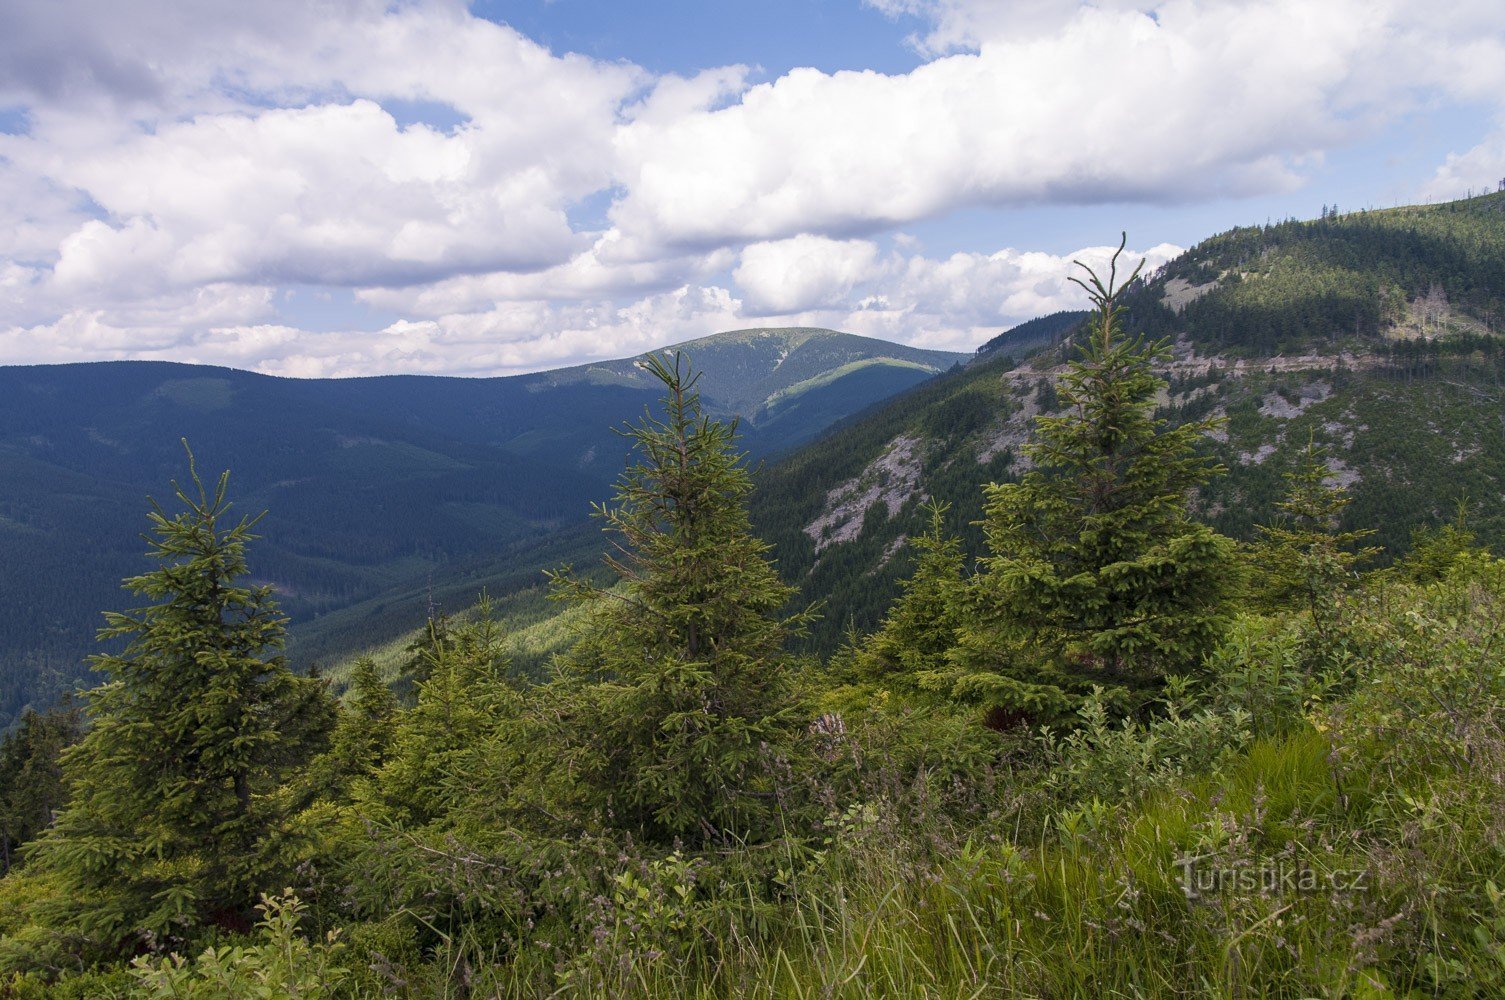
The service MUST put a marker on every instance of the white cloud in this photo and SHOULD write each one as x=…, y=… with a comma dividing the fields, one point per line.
x=966, y=24
x=805, y=272
x=1198, y=100
x=266, y=155
x=1481, y=168
x=333, y=194
x=953, y=303
x=960, y=301
x=586, y=276
x=185, y=164
x=509, y=338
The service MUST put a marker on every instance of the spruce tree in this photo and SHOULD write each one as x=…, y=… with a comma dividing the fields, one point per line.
x=910, y=648
x=370, y=716
x=31, y=776
x=1307, y=560
x=1096, y=571
x=688, y=682
x=1436, y=551
x=177, y=812
x=463, y=699
x=421, y=654
x=367, y=724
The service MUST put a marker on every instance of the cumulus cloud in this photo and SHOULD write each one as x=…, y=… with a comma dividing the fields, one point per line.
x=334, y=194
x=953, y=303
x=965, y=24
x=256, y=146
x=805, y=272
x=182, y=165
x=1481, y=168
x=1186, y=101
x=585, y=276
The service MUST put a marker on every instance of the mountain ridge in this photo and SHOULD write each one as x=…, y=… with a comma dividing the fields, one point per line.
x=840, y=510
x=804, y=353
x=375, y=485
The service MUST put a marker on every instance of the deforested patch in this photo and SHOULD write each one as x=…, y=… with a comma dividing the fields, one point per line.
x=1258, y=456
x=893, y=549
x=1340, y=433
x=1220, y=432
x=1463, y=453
x=1343, y=474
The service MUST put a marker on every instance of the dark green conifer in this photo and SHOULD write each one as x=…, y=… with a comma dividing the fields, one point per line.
x=910, y=648
x=1096, y=571
x=421, y=654
x=363, y=735
x=1307, y=561
x=463, y=699
x=690, y=688
x=31, y=776
x=1435, y=551
x=178, y=813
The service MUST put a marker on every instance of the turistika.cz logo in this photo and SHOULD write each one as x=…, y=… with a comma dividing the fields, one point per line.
x=1204, y=875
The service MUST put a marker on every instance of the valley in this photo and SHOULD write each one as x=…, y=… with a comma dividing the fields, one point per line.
x=387, y=493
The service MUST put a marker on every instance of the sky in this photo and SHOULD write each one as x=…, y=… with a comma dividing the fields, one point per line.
x=318, y=188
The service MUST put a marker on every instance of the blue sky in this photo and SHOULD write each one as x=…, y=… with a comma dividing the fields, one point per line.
x=364, y=187
x=683, y=36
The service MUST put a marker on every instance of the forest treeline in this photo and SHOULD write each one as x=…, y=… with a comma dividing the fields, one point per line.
x=1119, y=753
x=1294, y=286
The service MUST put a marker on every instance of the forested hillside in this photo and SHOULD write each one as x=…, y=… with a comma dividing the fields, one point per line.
x=1411, y=412
x=1373, y=333
x=1342, y=280
x=385, y=492
x=1119, y=753
x=1032, y=335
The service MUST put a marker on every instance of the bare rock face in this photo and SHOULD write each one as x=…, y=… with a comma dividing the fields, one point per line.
x=1277, y=406
x=891, y=479
x=1013, y=435
x=1179, y=292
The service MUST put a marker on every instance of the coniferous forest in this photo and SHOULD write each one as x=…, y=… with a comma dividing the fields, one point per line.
x=1101, y=742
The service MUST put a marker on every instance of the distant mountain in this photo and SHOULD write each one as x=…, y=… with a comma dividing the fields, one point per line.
x=759, y=370
x=1262, y=321
x=376, y=486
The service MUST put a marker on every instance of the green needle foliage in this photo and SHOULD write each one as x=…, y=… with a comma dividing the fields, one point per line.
x=177, y=814
x=911, y=647
x=31, y=778
x=365, y=729
x=362, y=736
x=1096, y=563
x=694, y=698
x=1436, y=551
x=462, y=700
x=1306, y=559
